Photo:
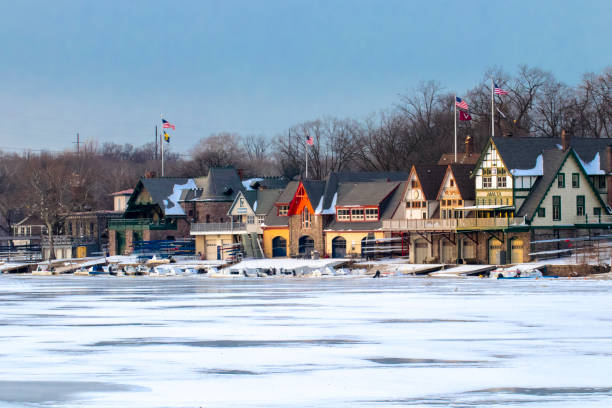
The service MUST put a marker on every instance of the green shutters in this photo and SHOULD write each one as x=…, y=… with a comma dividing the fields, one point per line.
x=541, y=212
x=575, y=180
x=580, y=205
x=561, y=180
x=556, y=208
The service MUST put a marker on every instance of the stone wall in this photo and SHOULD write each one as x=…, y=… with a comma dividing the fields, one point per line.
x=315, y=232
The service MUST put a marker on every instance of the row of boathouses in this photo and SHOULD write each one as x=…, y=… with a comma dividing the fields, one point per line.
x=518, y=197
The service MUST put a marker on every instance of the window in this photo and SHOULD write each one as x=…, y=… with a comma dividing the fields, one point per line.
x=597, y=211
x=561, y=180
x=452, y=183
x=487, y=182
x=306, y=218
x=580, y=205
x=415, y=183
x=575, y=180
x=207, y=218
x=501, y=181
x=250, y=219
x=371, y=214
x=556, y=208
x=69, y=228
x=357, y=214
x=283, y=210
x=344, y=215
x=602, y=181
x=541, y=212
x=91, y=228
x=260, y=219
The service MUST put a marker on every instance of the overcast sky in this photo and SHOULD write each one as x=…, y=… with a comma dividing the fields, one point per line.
x=107, y=69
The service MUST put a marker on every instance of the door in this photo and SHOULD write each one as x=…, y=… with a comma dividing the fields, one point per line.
x=447, y=251
x=468, y=249
x=338, y=247
x=305, y=245
x=516, y=250
x=279, y=247
x=495, y=247
x=211, y=250
x=420, y=251
x=119, y=242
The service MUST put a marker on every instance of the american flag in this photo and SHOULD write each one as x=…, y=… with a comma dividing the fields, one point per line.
x=166, y=124
x=309, y=140
x=461, y=104
x=499, y=91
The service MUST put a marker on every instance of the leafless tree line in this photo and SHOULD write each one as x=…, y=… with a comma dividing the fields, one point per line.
x=417, y=129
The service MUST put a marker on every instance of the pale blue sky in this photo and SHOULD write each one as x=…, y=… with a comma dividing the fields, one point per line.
x=107, y=69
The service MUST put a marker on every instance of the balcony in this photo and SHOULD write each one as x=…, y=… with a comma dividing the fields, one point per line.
x=211, y=228
x=593, y=219
x=489, y=223
x=139, y=224
x=434, y=224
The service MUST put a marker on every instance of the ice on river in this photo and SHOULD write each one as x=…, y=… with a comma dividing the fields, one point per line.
x=353, y=342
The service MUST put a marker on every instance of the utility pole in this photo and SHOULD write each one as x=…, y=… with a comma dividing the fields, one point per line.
x=155, y=142
x=78, y=144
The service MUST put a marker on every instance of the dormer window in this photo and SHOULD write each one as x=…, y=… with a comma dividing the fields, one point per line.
x=344, y=215
x=371, y=214
x=283, y=210
x=357, y=214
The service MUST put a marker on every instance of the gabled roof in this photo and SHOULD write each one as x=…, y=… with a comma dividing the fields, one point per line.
x=165, y=192
x=553, y=161
x=522, y=152
x=265, y=200
x=335, y=178
x=361, y=194
x=284, y=198
x=220, y=184
x=314, y=191
x=461, y=174
x=431, y=177
x=288, y=193
x=386, y=209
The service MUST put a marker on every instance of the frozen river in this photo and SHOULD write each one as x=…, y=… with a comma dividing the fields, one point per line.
x=338, y=342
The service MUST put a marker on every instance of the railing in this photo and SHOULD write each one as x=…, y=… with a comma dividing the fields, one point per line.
x=121, y=224
x=218, y=227
x=434, y=224
x=593, y=219
x=69, y=240
x=489, y=223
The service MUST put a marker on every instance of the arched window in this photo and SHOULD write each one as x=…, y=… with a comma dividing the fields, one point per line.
x=207, y=218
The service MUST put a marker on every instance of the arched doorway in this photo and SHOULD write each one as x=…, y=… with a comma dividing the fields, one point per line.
x=338, y=247
x=447, y=251
x=367, y=245
x=495, y=247
x=468, y=249
x=305, y=245
x=279, y=247
x=516, y=250
x=420, y=251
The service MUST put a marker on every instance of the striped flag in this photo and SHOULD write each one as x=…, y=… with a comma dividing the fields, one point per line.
x=309, y=140
x=499, y=91
x=461, y=104
x=166, y=124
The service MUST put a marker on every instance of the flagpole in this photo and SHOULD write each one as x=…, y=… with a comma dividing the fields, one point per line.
x=162, y=145
x=306, y=157
x=455, y=104
x=492, y=110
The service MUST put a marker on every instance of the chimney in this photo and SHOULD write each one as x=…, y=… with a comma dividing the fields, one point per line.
x=240, y=173
x=469, y=146
x=150, y=174
x=565, y=140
